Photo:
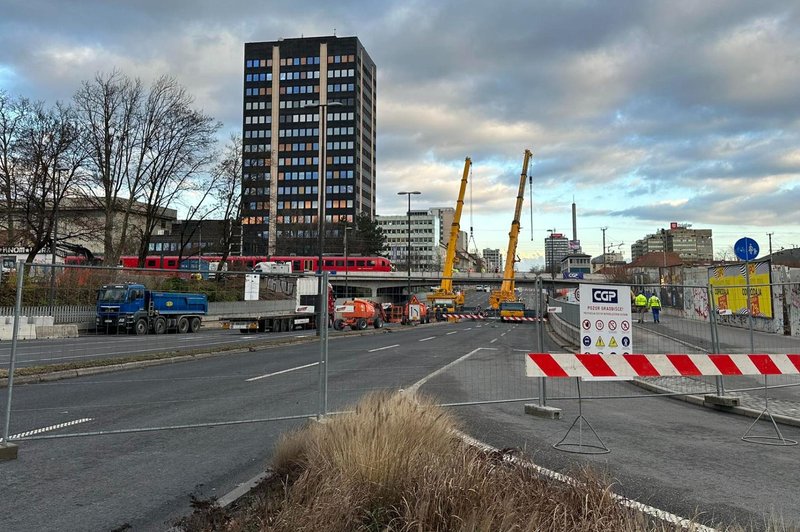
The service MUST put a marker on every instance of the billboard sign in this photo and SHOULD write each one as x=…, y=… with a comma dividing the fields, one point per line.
x=729, y=288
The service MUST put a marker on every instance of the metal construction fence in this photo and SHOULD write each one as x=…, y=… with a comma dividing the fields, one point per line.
x=304, y=375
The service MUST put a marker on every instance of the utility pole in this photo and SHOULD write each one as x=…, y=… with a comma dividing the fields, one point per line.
x=770, y=243
x=603, y=229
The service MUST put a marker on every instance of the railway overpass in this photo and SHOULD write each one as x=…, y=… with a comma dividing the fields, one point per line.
x=393, y=285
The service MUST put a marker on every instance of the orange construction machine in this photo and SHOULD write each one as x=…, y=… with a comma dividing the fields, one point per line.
x=358, y=314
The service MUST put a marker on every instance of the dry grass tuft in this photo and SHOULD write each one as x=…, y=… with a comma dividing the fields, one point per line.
x=394, y=464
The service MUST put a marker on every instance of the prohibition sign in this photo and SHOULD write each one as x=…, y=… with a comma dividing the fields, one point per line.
x=587, y=324
x=612, y=325
x=599, y=325
x=625, y=325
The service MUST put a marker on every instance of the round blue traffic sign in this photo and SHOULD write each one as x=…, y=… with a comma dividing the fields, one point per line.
x=746, y=248
x=587, y=341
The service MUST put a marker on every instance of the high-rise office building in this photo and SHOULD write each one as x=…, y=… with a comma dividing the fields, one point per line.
x=289, y=86
x=556, y=247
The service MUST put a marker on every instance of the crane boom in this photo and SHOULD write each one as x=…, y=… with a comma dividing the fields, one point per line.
x=506, y=292
x=445, y=289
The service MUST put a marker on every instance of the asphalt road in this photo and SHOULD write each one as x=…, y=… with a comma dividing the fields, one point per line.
x=674, y=456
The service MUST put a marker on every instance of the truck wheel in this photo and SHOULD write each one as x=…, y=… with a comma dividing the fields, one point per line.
x=183, y=325
x=160, y=326
x=141, y=326
x=361, y=324
x=194, y=325
x=378, y=323
x=338, y=325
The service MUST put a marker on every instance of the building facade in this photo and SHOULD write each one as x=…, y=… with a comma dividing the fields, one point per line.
x=493, y=260
x=305, y=99
x=692, y=245
x=556, y=247
x=426, y=240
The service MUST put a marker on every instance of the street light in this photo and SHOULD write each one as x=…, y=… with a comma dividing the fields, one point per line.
x=346, y=267
x=323, y=126
x=54, y=233
x=408, y=252
x=552, y=255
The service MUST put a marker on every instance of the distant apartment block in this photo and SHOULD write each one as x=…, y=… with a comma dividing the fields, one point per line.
x=425, y=240
x=692, y=245
x=493, y=260
x=556, y=247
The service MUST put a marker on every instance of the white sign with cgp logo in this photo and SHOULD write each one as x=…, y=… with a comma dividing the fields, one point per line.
x=606, y=320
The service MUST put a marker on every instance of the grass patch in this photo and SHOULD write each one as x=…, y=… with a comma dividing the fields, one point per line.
x=394, y=464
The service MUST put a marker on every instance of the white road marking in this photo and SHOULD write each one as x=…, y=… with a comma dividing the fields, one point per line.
x=414, y=387
x=426, y=339
x=280, y=372
x=452, y=332
x=493, y=340
x=382, y=348
x=468, y=329
x=51, y=427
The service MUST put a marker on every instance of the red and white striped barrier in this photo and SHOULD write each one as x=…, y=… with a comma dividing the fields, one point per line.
x=515, y=318
x=465, y=316
x=667, y=365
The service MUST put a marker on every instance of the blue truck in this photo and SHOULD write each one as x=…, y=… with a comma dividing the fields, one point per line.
x=131, y=306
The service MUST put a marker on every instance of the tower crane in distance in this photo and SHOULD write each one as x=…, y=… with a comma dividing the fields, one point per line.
x=505, y=298
x=444, y=298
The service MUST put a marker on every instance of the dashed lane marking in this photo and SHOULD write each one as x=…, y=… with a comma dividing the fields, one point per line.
x=382, y=348
x=414, y=387
x=493, y=340
x=281, y=372
x=48, y=429
x=452, y=332
x=428, y=338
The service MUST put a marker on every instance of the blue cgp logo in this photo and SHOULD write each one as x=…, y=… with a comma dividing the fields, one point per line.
x=603, y=295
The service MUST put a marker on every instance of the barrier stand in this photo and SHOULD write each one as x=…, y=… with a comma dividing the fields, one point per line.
x=767, y=440
x=568, y=447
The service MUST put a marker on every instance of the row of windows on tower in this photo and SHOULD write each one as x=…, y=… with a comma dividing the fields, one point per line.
x=299, y=89
x=299, y=61
x=299, y=132
x=300, y=75
x=297, y=118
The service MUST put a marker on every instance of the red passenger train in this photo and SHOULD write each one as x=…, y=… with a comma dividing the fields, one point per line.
x=247, y=263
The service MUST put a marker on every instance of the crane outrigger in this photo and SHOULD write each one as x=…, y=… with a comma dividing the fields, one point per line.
x=444, y=298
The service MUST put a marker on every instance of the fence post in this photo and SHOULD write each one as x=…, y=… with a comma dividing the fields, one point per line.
x=540, y=339
x=322, y=332
x=13, y=362
x=712, y=320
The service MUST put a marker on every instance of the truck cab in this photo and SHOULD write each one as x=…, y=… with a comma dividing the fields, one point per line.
x=511, y=309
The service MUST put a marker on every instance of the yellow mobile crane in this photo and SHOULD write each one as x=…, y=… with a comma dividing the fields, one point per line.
x=506, y=299
x=444, y=298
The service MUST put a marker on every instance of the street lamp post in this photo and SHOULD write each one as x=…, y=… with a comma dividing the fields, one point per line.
x=552, y=255
x=346, y=266
x=408, y=250
x=323, y=126
x=54, y=234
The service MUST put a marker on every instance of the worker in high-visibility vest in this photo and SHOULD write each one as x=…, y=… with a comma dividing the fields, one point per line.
x=640, y=304
x=655, y=305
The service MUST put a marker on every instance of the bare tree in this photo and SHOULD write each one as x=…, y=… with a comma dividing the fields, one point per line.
x=227, y=194
x=108, y=113
x=180, y=142
x=47, y=159
x=14, y=113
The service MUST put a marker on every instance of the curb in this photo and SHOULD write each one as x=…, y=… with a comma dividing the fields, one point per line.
x=52, y=376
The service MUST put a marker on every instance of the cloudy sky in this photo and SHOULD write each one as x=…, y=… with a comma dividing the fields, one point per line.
x=644, y=111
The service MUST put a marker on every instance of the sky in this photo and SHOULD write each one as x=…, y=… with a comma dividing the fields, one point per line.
x=641, y=112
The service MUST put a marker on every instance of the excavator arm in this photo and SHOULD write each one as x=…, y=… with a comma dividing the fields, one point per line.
x=445, y=290
x=506, y=292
